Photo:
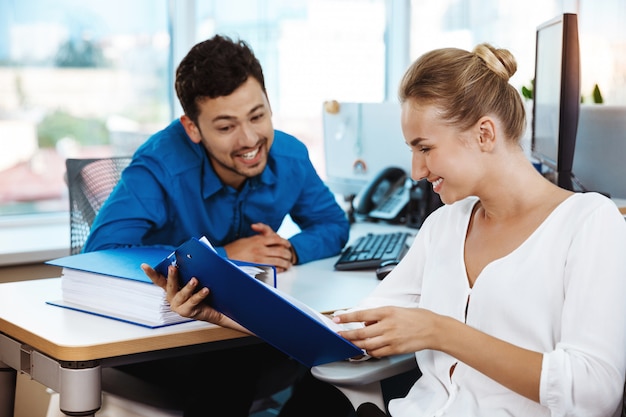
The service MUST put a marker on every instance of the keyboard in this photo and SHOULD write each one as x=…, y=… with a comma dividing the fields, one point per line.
x=371, y=250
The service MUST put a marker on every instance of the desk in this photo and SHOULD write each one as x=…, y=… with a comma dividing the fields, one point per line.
x=66, y=350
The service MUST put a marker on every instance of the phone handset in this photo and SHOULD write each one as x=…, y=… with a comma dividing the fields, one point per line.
x=385, y=197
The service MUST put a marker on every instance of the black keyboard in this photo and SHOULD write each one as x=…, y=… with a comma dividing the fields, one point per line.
x=371, y=250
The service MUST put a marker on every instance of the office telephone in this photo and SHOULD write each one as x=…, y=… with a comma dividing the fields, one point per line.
x=392, y=196
x=385, y=197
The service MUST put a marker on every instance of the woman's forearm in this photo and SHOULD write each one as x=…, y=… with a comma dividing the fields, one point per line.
x=514, y=367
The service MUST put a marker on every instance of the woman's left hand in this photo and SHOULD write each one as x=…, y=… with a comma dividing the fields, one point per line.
x=391, y=330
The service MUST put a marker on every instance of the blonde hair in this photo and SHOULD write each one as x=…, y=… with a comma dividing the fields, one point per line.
x=467, y=86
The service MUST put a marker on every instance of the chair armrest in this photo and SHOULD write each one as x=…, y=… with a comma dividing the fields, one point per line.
x=345, y=373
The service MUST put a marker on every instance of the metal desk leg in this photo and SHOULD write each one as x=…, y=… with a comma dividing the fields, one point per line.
x=8, y=380
x=78, y=383
x=81, y=390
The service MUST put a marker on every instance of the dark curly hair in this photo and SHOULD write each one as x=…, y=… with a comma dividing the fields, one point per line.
x=214, y=68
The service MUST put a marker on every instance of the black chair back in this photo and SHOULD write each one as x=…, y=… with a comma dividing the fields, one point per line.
x=89, y=182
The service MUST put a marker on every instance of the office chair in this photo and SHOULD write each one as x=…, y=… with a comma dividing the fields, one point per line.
x=375, y=380
x=89, y=182
x=363, y=382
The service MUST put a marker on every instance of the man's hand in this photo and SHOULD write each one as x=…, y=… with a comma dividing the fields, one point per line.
x=265, y=248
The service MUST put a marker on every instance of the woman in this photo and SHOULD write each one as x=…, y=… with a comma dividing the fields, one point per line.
x=513, y=293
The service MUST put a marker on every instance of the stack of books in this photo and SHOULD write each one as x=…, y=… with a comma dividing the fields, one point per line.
x=111, y=283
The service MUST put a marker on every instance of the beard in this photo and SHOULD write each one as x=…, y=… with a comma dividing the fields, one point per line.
x=233, y=165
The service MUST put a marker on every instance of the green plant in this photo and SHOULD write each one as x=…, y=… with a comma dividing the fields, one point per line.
x=597, y=95
x=527, y=90
x=60, y=124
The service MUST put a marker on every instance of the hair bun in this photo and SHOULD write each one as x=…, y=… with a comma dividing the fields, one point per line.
x=500, y=61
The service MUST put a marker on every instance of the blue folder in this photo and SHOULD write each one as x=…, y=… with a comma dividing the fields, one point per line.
x=119, y=262
x=263, y=310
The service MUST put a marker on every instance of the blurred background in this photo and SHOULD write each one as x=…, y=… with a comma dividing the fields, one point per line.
x=82, y=78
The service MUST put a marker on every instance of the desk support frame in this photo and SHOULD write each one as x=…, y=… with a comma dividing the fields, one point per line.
x=78, y=383
x=8, y=381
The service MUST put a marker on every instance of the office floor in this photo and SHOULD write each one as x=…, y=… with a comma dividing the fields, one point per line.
x=31, y=398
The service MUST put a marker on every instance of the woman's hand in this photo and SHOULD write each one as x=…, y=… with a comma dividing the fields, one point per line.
x=391, y=330
x=396, y=330
x=185, y=301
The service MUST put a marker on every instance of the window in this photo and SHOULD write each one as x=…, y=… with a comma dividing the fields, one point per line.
x=512, y=25
x=78, y=78
x=83, y=78
x=311, y=51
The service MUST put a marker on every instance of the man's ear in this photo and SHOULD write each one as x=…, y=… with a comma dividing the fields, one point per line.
x=487, y=133
x=269, y=106
x=190, y=127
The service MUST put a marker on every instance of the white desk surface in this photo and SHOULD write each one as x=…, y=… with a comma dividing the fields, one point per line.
x=69, y=335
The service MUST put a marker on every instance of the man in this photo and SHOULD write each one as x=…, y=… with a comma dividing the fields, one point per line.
x=223, y=172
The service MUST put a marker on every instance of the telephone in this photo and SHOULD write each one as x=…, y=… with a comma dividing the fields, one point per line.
x=385, y=197
x=393, y=196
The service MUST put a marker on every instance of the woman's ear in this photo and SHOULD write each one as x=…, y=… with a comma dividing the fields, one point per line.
x=487, y=133
x=192, y=130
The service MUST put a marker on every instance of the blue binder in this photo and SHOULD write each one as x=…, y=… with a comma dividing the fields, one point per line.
x=263, y=310
x=121, y=263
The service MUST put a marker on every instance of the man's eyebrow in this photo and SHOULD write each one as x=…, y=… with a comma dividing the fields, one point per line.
x=223, y=117
x=230, y=118
x=256, y=108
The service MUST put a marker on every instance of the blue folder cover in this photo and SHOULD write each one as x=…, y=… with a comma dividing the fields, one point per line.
x=119, y=262
x=263, y=310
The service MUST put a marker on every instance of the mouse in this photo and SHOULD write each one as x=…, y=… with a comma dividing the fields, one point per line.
x=385, y=268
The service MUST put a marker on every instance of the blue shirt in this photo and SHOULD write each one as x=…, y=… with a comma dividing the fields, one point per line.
x=170, y=193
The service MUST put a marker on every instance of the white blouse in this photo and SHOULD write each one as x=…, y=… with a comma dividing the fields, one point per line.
x=561, y=292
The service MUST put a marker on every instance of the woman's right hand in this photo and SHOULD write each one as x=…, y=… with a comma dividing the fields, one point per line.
x=185, y=301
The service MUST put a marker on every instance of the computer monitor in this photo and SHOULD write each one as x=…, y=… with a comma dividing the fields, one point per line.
x=600, y=149
x=556, y=98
